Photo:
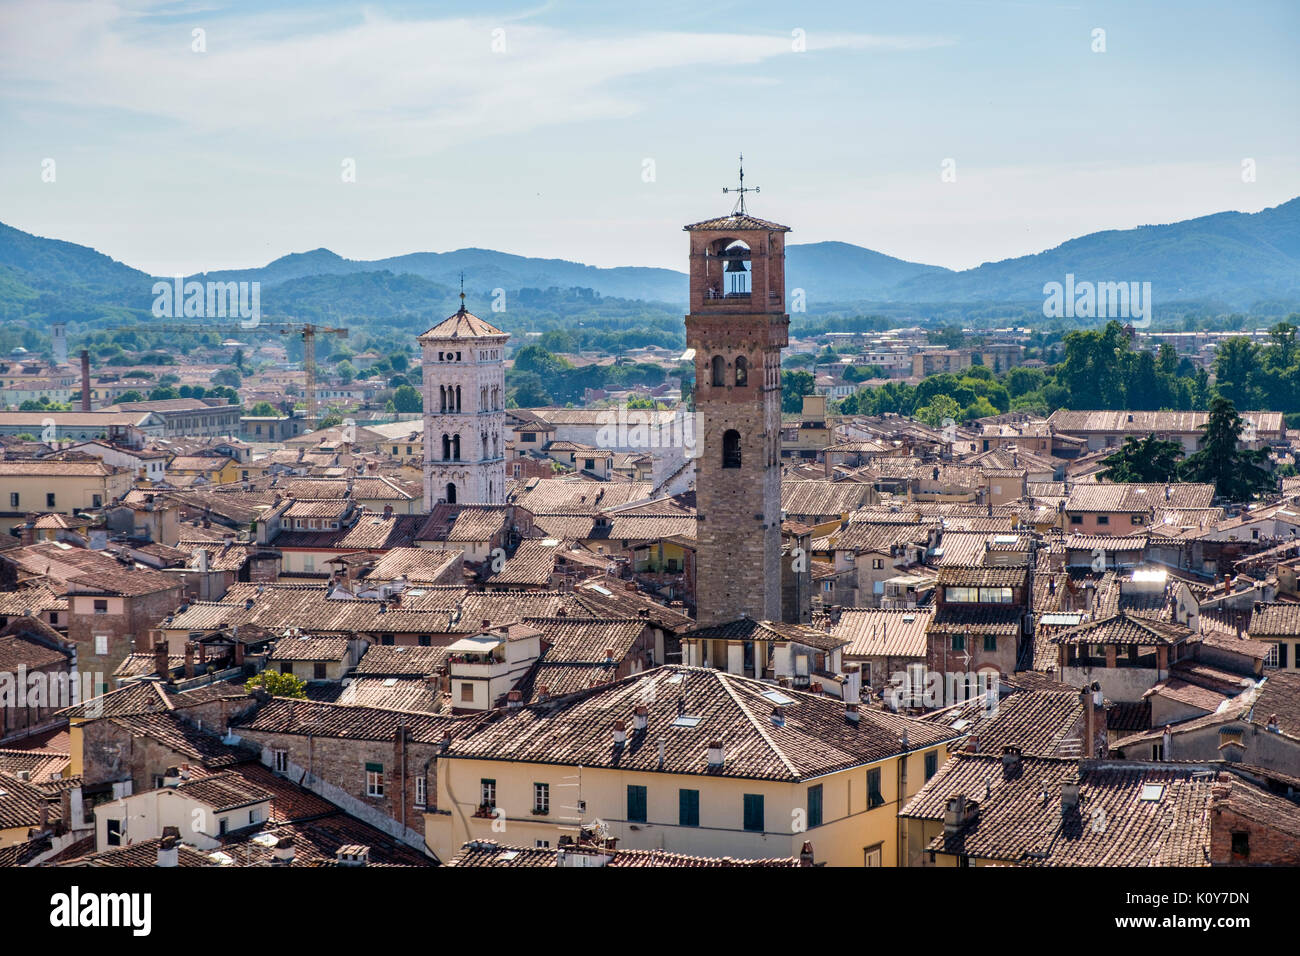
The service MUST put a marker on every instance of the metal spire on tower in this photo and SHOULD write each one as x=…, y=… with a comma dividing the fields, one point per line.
x=741, y=189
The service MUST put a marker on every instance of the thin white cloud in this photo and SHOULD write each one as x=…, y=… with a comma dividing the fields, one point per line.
x=411, y=81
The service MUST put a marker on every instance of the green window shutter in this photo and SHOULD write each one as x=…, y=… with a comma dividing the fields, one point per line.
x=754, y=811
x=374, y=768
x=990, y=642
x=874, y=797
x=688, y=804
x=815, y=806
x=636, y=803
x=931, y=764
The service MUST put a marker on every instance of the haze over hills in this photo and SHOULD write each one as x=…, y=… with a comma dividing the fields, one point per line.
x=1229, y=259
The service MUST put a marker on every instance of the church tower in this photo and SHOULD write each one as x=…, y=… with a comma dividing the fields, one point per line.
x=463, y=361
x=737, y=327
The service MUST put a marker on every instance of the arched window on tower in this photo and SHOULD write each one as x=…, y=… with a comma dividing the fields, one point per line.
x=458, y=402
x=446, y=448
x=742, y=370
x=731, y=448
x=451, y=492
x=455, y=447
x=719, y=370
x=442, y=398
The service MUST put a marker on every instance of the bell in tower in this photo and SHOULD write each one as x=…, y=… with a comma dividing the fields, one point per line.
x=737, y=270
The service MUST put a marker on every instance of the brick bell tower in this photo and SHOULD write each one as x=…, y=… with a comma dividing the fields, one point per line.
x=737, y=327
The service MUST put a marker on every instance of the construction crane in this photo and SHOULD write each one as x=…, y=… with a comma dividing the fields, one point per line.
x=306, y=330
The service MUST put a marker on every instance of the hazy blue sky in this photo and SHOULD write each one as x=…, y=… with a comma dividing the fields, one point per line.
x=174, y=160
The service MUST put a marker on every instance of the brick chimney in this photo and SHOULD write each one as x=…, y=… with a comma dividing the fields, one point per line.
x=85, y=380
x=169, y=847
x=160, y=659
x=189, y=659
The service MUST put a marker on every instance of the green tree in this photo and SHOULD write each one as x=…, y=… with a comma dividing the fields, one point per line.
x=263, y=410
x=407, y=399
x=529, y=391
x=940, y=409
x=346, y=371
x=228, y=376
x=163, y=393
x=399, y=361
x=1147, y=460
x=534, y=358
x=278, y=685
x=794, y=386
x=1237, y=473
x=1235, y=365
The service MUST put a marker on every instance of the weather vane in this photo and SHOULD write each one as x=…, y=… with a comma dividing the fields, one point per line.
x=462, y=290
x=742, y=188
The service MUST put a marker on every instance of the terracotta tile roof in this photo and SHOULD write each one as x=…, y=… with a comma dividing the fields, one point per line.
x=814, y=738
x=556, y=496
x=1124, y=628
x=1141, y=423
x=463, y=325
x=141, y=854
x=533, y=563
x=414, y=564
x=86, y=571
x=370, y=532
x=488, y=853
x=736, y=221
x=1091, y=542
x=1243, y=798
x=1279, y=697
x=21, y=804
x=1275, y=620
x=397, y=661
x=1128, y=814
x=39, y=468
x=310, y=718
x=309, y=608
x=413, y=695
x=1134, y=497
x=865, y=536
x=747, y=629
x=39, y=765
x=184, y=738
x=878, y=632
x=619, y=527
x=823, y=499
x=585, y=640
x=223, y=791
x=1043, y=723
x=603, y=601
x=19, y=650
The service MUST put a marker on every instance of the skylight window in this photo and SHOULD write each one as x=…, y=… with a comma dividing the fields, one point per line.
x=1152, y=792
x=685, y=721
x=778, y=698
x=390, y=682
x=508, y=855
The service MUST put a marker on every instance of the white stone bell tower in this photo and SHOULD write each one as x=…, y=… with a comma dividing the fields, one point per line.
x=463, y=361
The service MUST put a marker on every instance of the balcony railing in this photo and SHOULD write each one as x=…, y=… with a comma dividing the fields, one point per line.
x=713, y=294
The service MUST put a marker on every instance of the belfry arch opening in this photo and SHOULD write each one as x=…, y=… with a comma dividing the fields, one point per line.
x=730, y=270
x=731, y=448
